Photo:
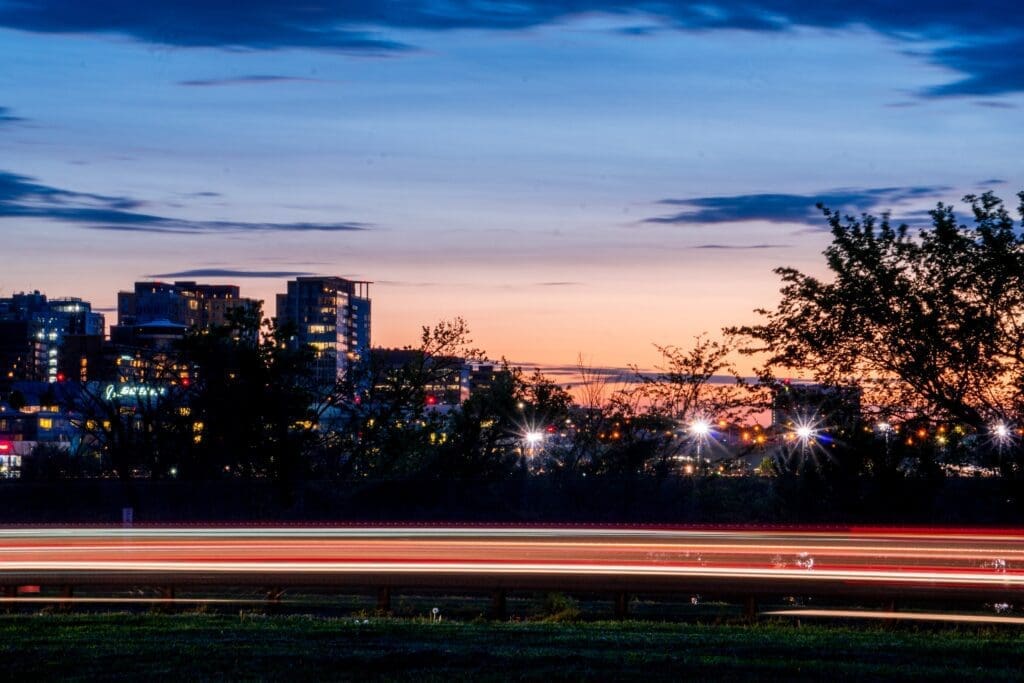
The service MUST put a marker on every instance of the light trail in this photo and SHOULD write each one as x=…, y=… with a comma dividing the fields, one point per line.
x=934, y=562
x=28, y=599
x=905, y=616
x=803, y=575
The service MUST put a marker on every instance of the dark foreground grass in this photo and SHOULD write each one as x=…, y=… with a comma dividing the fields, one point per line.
x=188, y=647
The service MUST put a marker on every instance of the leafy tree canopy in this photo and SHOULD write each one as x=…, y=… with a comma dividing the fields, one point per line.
x=929, y=321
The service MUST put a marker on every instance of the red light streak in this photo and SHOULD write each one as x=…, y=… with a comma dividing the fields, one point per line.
x=883, y=557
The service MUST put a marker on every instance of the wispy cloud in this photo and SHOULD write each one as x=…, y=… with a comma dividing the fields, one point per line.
x=984, y=42
x=559, y=284
x=405, y=283
x=741, y=246
x=789, y=208
x=231, y=272
x=7, y=117
x=568, y=375
x=255, y=79
x=995, y=104
x=255, y=24
x=992, y=63
x=23, y=197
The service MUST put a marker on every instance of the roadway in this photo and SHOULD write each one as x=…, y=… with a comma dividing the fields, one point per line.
x=852, y=562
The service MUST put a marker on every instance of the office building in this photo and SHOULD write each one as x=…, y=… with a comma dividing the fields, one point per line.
x=172, y=309
x=183, y=303
x=39, y=335
x=331, y=315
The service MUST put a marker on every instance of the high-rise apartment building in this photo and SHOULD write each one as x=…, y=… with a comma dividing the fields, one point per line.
x=180, y=304
x=44, y=337
x=332, y=315
x=183, y=303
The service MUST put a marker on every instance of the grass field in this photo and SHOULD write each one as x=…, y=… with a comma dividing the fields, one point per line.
x=250, y=646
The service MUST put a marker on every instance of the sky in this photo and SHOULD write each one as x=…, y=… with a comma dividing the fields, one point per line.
x=573, y=177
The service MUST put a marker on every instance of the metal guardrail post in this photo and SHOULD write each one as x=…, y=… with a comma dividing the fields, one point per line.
x=622, y=605
x=384, y=600
x=498, y=604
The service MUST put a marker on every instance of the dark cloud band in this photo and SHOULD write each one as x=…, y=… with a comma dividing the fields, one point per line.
x=254, y=79
x=741, y=247
x=231, y=272
x=7, y=117
x=788, y=208
x=983, y=41
x=23, y=197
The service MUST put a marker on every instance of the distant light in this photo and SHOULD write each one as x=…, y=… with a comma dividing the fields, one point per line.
x=1001, y=431
x=700, y=428
x=805, y=430
x=533, y=438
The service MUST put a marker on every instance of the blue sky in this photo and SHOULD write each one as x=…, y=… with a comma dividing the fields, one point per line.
x=577, y=177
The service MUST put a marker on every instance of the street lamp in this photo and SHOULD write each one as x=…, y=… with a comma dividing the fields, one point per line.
x=1002, y=436
x=533, y=439
x=700, y=429
x=805, y=433
x=885, y=429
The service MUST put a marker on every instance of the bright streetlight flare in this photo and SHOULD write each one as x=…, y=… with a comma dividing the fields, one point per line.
x=700, y=428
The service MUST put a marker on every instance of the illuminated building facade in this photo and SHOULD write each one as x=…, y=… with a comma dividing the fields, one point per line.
x=444, y=376
x=184, y=304
x=332, y=315
x=40, y=336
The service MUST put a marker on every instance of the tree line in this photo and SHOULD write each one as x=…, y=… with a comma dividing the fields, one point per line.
x=926, y=325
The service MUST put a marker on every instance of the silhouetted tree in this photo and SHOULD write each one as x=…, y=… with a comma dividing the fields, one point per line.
x=136, y=428
x=929, y=323
x=388, y=420
x=491, y=431
x=253, y=404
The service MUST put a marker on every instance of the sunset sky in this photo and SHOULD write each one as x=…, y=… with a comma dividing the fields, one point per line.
x=571, y=177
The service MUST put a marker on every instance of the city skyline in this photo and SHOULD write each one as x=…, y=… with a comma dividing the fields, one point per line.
x=571, y=178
